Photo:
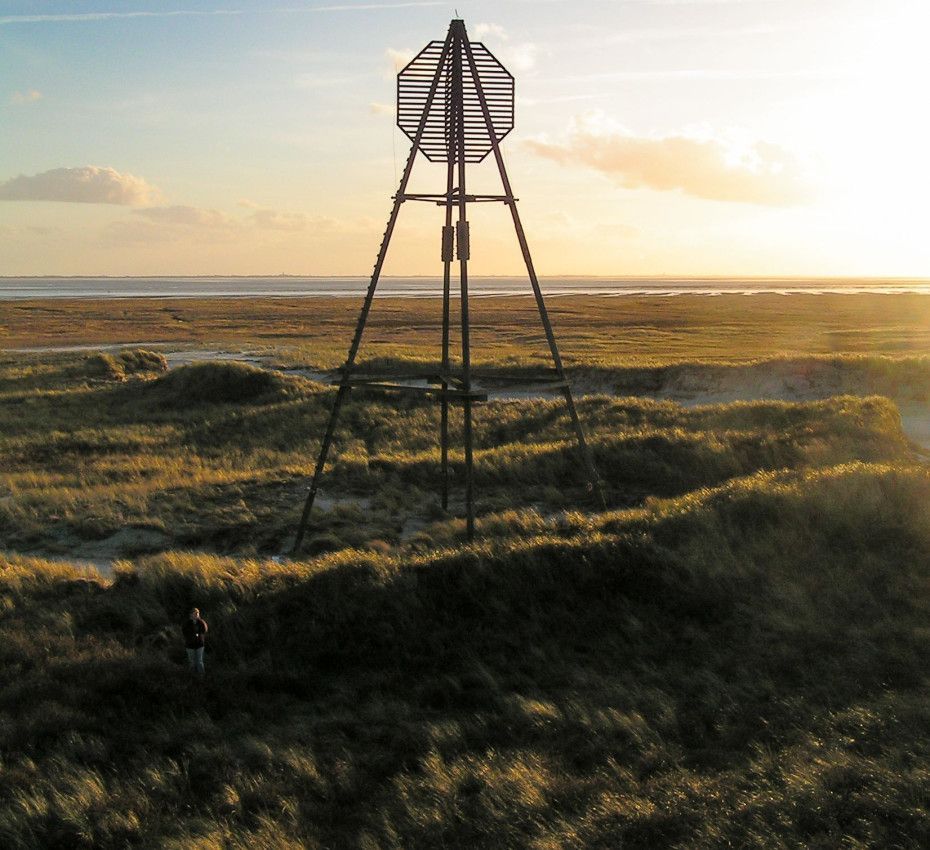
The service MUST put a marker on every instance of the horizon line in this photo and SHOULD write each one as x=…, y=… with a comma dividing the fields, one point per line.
x=650, y=277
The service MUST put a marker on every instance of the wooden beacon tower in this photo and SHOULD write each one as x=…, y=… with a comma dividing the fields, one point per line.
x=455, y=102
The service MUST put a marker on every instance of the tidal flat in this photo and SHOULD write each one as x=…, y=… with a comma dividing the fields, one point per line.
x=733, y=654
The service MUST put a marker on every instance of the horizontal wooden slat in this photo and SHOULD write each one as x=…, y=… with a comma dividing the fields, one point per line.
x=418, y=78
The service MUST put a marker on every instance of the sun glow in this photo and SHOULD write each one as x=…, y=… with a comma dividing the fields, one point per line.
x=785, y=138
x=873, y=140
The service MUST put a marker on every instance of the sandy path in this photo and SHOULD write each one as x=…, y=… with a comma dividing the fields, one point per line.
x=76, y=349
x=915, y=420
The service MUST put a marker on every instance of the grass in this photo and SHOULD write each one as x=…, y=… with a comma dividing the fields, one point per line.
x=119, y=366
x=704, y=671
x=106, y=463
x=733, y=656
x=627, y=331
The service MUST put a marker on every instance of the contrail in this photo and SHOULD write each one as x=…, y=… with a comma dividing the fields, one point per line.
x=105, y=16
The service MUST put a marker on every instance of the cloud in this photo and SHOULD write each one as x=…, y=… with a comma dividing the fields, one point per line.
x=837, y=72
x=596, y=35
x=371, y=7
x=326, y=80
x=518, y=56
x=381, y=108
x=88, y=184
x=176, y=223
x=753, y=172
x=185, y=216
x=565, y=98
x=82, y=17
x=398, y=59
x=697, y=2
x=495, y=30
x=270, y=219
x=182, y=222
x=277, y=220
x=20, y=97
x=29, y=231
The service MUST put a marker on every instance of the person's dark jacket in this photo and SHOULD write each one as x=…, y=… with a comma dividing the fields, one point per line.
x=194, y=630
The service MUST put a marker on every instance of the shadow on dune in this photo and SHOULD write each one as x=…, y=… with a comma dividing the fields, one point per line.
x=507, y=687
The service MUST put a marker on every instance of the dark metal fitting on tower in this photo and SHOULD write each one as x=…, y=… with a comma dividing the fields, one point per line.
x=447, y=241
x=462, y=241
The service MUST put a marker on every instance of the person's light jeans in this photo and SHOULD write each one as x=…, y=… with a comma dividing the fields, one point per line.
x=195, y=657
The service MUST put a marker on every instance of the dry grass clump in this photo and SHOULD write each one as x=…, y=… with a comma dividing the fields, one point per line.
x=222, y=383
x=119, y=366
x=743, y=666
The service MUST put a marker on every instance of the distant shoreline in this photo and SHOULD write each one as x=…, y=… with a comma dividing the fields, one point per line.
x=386, y=277
x=281, y=286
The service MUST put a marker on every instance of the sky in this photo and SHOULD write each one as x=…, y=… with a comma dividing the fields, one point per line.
x=653, y=137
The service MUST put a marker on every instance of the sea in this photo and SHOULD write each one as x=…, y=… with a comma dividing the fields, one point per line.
x=425, y=287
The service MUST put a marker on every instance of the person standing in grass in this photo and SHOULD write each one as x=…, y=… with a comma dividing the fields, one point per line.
x=194, y=629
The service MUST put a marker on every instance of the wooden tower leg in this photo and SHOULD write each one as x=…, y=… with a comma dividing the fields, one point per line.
x=447, y=250
x=537, y=292
x=344, y=383
x=463, y=251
